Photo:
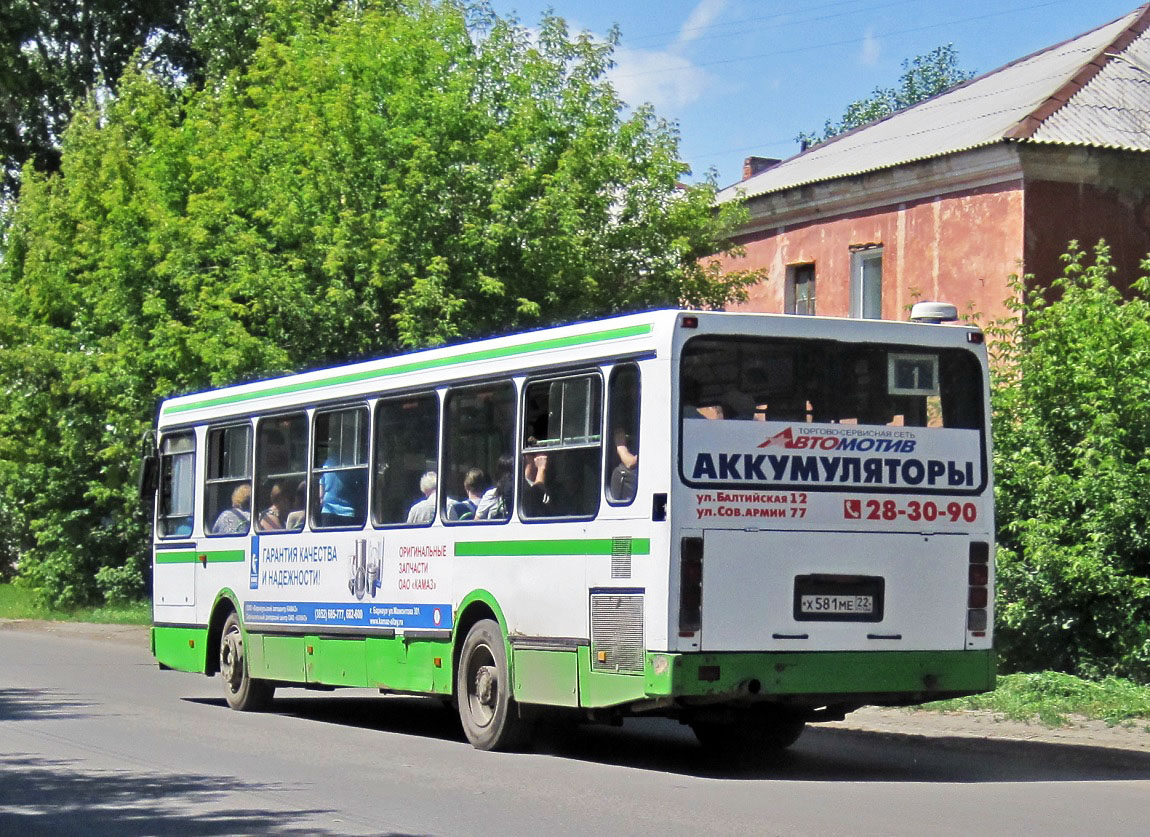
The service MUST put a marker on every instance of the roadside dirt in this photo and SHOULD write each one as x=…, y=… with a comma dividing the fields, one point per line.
x=969, y=725
x=130, y=634
x=988, y=726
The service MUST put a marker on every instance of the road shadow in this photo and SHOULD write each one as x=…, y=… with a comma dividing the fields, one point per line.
x=41, y=704
x=835, y=755
x=421, y=716
x=54, y=796
x=821, y=754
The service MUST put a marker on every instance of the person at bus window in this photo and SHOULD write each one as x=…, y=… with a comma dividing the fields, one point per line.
x=539, y=485
x=738, y=405
x=275, y=517
x=336, y=505
x=235, y=520
x=298, y=513
x=424, y=510
x=495, y=502
x=625, y=475
x=474, y=485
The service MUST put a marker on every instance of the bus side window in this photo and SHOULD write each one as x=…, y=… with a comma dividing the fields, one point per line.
x=406, y=448
x=622, y=473
x=339, y=468
x=281, y=473
x=228, y=487
x=479, y=453
x=177, y=485
x=562, y=447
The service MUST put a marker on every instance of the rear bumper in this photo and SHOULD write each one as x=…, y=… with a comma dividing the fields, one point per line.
x=879, y=677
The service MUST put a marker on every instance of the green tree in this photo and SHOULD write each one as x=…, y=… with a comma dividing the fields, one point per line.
x=53, y=54
x=922, y=77
x=382, y=179
x=1072, y=463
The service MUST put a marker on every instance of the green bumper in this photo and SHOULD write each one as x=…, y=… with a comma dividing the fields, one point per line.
x=184, y=649
x=873, y=675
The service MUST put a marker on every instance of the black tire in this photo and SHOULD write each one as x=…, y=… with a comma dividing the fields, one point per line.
x=753, y=738
x=241, y=690
x=491, y=719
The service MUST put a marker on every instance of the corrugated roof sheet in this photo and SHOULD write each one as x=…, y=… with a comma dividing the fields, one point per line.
x=1113, y=109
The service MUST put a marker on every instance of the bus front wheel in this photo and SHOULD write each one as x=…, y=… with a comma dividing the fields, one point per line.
x=490, y=717
x=242, y=691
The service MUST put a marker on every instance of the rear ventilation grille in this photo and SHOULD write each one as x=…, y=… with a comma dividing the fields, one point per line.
x=620, y=557
x=617, y=632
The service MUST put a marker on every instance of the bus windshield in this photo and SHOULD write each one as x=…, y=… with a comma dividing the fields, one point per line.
x=821, y=381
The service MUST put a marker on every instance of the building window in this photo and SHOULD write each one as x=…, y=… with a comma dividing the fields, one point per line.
x=866, y=283
x=800, y=289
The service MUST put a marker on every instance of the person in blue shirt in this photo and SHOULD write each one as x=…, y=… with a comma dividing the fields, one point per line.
x=336, y=493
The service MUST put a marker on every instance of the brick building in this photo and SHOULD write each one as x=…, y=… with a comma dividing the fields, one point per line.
x=946, y=199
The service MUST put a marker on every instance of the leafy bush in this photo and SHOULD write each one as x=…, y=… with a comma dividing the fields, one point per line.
x=120, y=585
x=1072, y=464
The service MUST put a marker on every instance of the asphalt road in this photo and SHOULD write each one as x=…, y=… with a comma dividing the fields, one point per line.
x=94, y=739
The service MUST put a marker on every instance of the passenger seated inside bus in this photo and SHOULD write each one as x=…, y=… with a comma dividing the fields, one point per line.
x=423, y=511
x=298, y=513
x=474, y=485
x=274, y=517
x=235, y=520
x=738, y=405
x=496, y=501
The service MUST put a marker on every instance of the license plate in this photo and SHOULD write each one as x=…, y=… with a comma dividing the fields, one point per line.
x=838, y=598
x=863, y=605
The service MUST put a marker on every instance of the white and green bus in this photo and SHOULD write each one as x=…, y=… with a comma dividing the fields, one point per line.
x=747, y=522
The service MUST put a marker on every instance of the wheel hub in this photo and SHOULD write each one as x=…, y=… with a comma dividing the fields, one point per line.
x=231, y=665
x=486, y=685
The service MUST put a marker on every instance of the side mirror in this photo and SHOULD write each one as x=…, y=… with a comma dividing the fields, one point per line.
x=147, y=480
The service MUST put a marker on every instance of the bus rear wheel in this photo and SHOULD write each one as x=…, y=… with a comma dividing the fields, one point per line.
x=241, y=690
x=752, y=737
x=490, y=717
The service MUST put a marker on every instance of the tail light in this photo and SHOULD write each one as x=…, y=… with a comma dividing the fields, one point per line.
x=690, y=586
x=978, y=590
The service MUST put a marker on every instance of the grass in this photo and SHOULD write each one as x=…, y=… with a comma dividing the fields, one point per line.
x=18, y=603
x=1052, y=698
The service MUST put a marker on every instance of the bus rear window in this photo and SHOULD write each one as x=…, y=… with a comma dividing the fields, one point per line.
x=829, y=382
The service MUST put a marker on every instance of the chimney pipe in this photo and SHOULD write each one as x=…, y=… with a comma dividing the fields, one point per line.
x=758, y=165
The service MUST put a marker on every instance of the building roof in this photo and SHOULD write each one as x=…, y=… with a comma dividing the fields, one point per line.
x=1091, y=90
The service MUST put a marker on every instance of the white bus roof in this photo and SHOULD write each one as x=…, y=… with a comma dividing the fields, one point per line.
x=625, y=336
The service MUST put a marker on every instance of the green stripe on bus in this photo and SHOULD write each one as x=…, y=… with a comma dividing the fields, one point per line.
x=221, y=556
x=417, y=366
x=585, y=546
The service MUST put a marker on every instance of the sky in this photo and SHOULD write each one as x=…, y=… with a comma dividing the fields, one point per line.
x=744, y=77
